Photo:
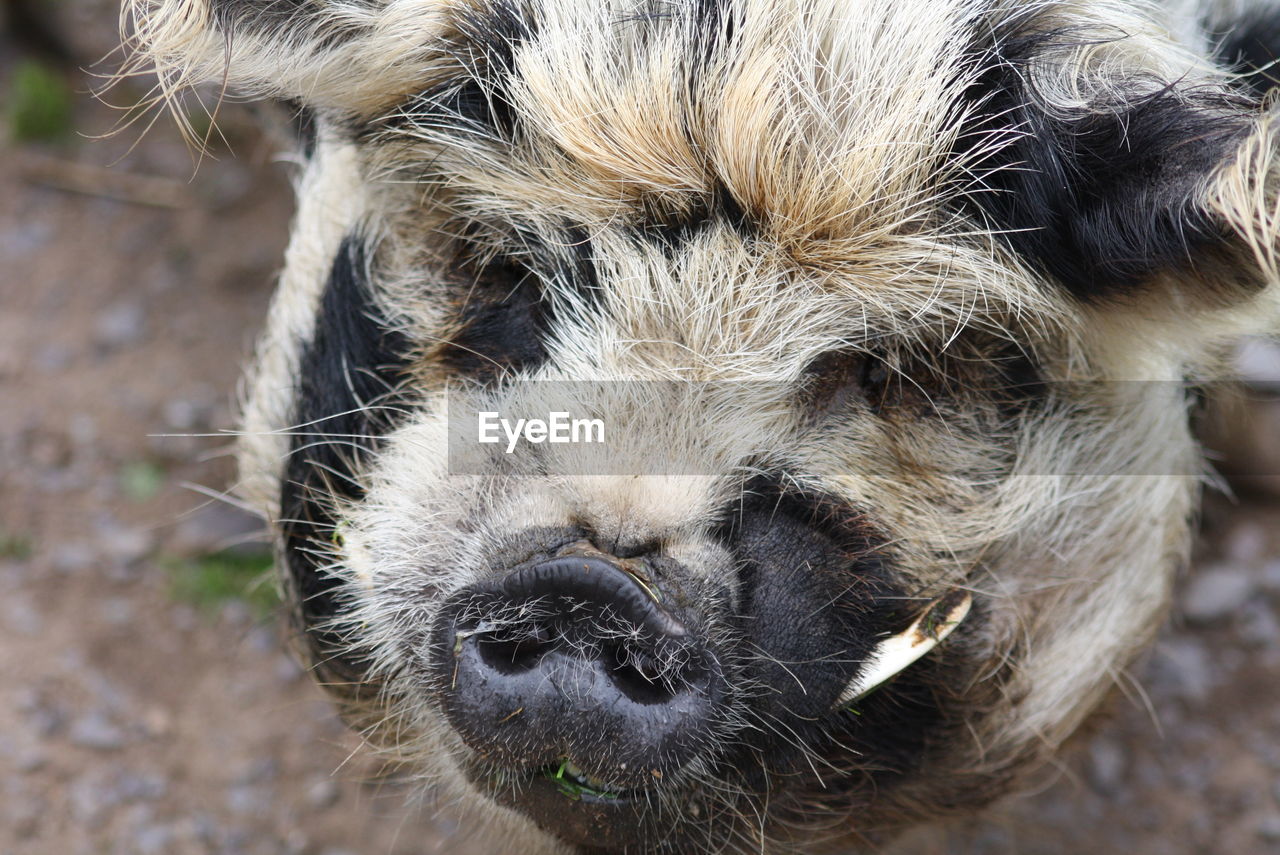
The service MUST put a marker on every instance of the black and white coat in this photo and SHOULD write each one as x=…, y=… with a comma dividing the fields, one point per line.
x=926, y=251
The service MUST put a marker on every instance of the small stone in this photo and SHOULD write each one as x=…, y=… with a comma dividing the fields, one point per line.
x=91, y=800
x=1269, y=577
x=184, y=618
x=202, y=828
x=295, y=842
x=124, y=545
x=153, y=840
x=1181, y=668
x=237, y=613
x=1107, y=764
x=286, y=670
x=120, y=325
x=235, y=841
x=53, y=357
x=156, y=722
x=24, y=814
x=71, y=557
x=27, y=238
x=117, y=611
x=323, y=793
x=1269, y=828
x=261, y=639
x=1259, y=627
x=259, y=771
x=21, y=616
x=44, y=716
x=249, y=800
x=82, y=429
x=142, y=786
x=1246, y=544
x=94, y=730
x=183, y=414
x=28, y=759
x=1216, y=592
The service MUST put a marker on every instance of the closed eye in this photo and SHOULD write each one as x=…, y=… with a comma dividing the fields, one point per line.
x=500, y=322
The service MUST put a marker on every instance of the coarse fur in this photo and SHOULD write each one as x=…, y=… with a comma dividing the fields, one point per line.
x=942, y=271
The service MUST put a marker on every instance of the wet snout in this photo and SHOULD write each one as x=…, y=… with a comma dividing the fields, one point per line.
x=577, y=660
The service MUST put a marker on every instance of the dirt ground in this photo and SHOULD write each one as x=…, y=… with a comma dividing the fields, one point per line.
x=143, y=710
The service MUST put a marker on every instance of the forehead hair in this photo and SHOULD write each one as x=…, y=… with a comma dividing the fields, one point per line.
x=812, y=141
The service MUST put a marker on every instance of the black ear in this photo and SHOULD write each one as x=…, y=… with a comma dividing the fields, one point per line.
x=1250, y=46
x=1101, y=197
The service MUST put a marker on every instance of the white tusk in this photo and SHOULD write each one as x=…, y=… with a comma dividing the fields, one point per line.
x=897, y=652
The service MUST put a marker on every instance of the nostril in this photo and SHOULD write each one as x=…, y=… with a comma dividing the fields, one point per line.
x=575, y=658
x=639, y=677
x=512, y=657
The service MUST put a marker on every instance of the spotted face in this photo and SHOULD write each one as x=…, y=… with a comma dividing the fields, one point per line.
x=886, y=311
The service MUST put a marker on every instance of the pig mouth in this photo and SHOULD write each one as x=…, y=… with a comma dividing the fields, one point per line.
x=583, y=811
x=576, y=785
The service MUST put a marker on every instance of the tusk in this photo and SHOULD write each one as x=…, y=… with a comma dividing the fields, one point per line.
x=895, y=653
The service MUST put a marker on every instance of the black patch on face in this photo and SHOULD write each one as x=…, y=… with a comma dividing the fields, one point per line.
x=476, y=101
x=502, y=322
x=1099, y=200
x=1251, y=47
x=816, y=596
x=348, y=376
x=506, y=316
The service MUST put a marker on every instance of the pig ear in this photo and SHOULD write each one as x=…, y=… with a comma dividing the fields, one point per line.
x=1242, y=197
x=1145, y=181
x=352, y=56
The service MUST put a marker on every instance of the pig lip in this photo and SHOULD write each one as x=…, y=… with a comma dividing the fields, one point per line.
x=580, y=817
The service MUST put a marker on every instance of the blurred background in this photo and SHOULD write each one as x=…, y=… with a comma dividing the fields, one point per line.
x=147, y=704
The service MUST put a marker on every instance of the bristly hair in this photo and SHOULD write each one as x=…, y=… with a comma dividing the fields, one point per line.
x=1102, y=196
x=349, y=377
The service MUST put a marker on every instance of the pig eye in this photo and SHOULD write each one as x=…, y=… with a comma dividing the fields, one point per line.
x=843, y=379
x=500, y=322
x=905, y=385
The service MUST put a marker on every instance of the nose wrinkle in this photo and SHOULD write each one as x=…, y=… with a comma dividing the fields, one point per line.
x=574, y=579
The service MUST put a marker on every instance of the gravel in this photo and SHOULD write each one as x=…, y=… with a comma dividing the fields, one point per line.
x=1181, y=668
x=1217, y=592
x=1269, y=577
x=96, y=730
x=1107, y=765
x=323, y=793
x=1246, y=545
x=1259, y=626
x=72, y=557
x=44, y=716
x=121, y=325
x=20, y=615
x=1269, y=828
x=125, y=546
x=249, y=800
